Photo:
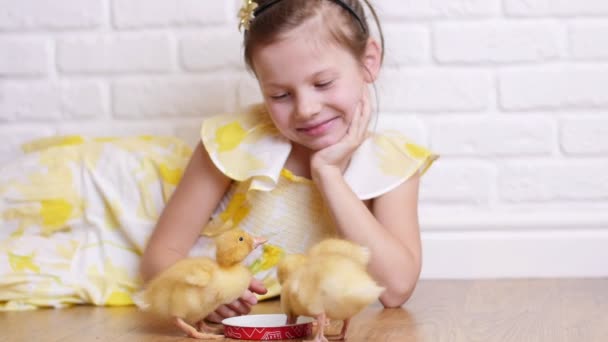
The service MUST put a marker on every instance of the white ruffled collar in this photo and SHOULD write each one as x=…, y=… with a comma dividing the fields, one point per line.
x=249, y=147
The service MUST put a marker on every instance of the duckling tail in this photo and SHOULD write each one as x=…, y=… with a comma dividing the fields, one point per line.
x=365, y=294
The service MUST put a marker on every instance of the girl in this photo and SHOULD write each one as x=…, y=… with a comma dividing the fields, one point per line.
x=302, y=166
x=77, y=214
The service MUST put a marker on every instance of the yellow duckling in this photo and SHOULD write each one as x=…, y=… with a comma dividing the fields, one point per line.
x=193, y=288
x=331, y=281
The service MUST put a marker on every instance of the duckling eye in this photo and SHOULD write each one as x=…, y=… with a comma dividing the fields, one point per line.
x=241, y=238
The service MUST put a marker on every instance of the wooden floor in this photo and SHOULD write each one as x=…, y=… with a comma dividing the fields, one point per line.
x=514, y=310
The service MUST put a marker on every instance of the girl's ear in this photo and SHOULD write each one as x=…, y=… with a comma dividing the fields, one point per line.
x=372, y=60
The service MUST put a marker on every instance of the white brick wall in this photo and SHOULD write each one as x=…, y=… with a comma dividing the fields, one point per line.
x=512, y=93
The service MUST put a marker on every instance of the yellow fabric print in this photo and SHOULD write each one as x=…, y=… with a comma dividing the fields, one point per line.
x=49, y=216
x=417, y=151
x=44, y=143
x=270, y=258
x=119, y=298
x=50, y=188
x=114, y=282
x=120, y=275
x=172, y=149
x=231, y=142
x=238, y=160
x=147, y=174
x=67, y=251
x=388, y=163
x=27, y=216
x=113, y=212
x=236, y=210
x=55, y=213
x=229, y=136
x=297, y=179
x=167, y=165
x=21, y=263
x=170, y=175
x=105, y=139
x=146, y=137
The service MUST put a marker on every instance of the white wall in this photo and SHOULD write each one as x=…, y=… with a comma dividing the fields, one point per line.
x=512, y=93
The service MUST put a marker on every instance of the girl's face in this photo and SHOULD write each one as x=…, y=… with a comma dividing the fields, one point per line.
x=311, y=87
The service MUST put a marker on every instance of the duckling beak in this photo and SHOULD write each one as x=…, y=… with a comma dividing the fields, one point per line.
x=259, y=241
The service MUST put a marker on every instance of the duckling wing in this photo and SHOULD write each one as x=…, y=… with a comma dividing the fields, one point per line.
x=201, y=275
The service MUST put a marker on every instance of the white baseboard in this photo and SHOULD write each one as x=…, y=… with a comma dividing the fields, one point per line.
x=515, y=254
x=479, y=219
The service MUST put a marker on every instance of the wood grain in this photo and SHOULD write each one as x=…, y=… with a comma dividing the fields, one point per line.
x=478, y=310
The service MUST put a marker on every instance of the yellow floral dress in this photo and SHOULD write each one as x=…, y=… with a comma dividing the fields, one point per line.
x=75, y=213
x=268, y=200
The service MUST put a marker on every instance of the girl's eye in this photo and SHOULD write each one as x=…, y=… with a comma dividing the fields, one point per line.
x=324, y=84
x=278, y=97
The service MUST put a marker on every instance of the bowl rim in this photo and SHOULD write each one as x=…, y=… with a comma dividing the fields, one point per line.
x=253, y=321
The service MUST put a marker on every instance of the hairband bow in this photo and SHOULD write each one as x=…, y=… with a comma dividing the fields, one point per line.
x=246, y=14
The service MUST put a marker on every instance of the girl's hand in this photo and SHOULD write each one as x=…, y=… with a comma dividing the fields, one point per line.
x=241, y=306
x=336, y=157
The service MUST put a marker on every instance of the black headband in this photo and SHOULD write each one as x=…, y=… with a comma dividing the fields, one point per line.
x=341, y=3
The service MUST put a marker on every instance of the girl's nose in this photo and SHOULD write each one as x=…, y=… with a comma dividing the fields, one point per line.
x=307, y=106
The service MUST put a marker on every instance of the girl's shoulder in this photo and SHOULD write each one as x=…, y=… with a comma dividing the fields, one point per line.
x=384, y=161
x=247, y=146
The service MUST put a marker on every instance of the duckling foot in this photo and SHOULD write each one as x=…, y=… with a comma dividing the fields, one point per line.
x=192, y=332
x=319, y=337
x=342, y=335
x=205, y=328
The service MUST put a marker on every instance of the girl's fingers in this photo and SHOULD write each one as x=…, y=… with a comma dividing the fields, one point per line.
x=225, y=311
x=245, y=307
x=214, y=318
x=257, y=286
x=240, y=307
x=249, y=298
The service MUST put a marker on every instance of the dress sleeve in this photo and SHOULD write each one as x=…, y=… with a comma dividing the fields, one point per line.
x=246, y=146
x=384, y=161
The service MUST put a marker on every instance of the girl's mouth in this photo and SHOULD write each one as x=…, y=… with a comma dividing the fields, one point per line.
x=317, y=129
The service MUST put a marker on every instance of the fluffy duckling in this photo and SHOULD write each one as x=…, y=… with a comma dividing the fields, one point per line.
x=349, y=249
x=331, y=281
x=194, y=287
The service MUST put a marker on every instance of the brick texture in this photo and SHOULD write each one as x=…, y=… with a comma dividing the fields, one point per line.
x=512, y=93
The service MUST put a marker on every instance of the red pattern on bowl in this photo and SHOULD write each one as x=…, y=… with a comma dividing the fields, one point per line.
x=266, y=327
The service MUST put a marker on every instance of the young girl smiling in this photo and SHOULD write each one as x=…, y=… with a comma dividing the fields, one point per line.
x=76, y=214
x=303, y=165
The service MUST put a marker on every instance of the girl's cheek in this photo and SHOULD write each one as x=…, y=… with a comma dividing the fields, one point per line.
x=351, y=104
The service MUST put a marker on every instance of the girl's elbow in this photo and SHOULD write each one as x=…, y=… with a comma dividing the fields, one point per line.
x=396, y=298
x=399, y=291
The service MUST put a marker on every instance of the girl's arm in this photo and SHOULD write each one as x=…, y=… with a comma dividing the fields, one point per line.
x=390, y=230
x=179, y=226
x=187, y=212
